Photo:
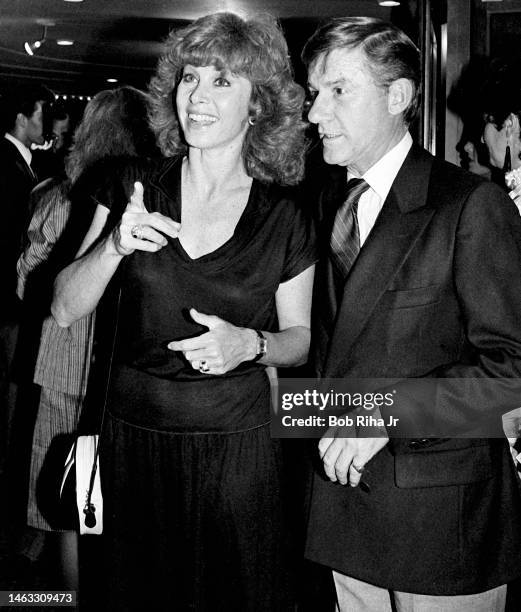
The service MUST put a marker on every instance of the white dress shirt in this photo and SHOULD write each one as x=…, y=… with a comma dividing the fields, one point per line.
x=24, y=151
x=380, y=178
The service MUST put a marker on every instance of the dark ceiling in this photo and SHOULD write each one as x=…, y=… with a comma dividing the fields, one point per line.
x=121, y=39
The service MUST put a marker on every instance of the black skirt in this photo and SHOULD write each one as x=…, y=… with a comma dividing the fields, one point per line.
x=194, y=521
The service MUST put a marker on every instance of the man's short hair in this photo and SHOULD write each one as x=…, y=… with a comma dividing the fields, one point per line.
x=22, y=99
x=390, y=53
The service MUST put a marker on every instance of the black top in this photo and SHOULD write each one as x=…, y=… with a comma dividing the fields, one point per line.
x=272, y=243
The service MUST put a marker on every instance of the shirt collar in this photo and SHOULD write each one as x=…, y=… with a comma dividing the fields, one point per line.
x=381, y=175
x=24, y=151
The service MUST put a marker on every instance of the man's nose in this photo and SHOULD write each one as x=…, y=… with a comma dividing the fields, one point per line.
x=317, y=111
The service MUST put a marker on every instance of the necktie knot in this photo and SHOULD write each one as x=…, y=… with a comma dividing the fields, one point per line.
x=355, y=187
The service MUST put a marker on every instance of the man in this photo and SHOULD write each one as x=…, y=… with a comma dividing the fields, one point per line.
x=22, y=115
x=420, y=278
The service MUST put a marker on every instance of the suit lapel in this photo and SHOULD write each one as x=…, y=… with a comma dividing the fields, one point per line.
x=21, y=164
x=399, y=225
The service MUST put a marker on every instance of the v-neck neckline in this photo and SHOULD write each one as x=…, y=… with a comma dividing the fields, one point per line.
x=240, y=235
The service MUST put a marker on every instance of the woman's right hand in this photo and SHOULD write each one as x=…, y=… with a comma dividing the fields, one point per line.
x=137, y=221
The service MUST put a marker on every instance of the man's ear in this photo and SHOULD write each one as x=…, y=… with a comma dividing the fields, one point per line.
x=21, y=120
x=399, y=96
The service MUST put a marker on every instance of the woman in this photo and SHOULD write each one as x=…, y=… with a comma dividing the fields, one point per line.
x=502, y=137
x=114, y=124
x=501, y=103
x=210, y=248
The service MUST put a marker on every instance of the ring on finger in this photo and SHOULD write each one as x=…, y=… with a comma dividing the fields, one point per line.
x=203, y=366
x=136, y=231
x=357, y=468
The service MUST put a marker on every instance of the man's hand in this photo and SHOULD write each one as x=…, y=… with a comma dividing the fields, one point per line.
x=345, y=456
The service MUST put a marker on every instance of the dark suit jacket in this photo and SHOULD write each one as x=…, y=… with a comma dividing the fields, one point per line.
x=16, y=182
x=435, y=291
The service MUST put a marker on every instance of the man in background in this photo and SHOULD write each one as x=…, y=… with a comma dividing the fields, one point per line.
x=49, y=160
x=22, y=113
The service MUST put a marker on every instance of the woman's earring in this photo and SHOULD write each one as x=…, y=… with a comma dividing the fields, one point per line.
x=507, y=164
x=252, y=120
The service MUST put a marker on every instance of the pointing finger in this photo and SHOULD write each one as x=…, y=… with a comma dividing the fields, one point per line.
x=136, y=199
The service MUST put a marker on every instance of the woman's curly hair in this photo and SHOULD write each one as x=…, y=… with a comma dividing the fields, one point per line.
x=274, y=146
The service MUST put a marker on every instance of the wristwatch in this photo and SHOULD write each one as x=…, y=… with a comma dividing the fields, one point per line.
x=262, y=346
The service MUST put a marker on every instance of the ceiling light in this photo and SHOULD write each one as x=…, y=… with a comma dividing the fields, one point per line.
x=64, y=43
x=388, y=3
x=112, y=80
x=73, y=0
x=30, y=48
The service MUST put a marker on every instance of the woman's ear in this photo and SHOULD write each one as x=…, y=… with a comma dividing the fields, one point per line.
x=254, y=110
x=399, y=96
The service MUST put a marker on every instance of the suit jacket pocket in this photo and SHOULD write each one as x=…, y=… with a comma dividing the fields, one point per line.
x=408, y=298
x=443, y=468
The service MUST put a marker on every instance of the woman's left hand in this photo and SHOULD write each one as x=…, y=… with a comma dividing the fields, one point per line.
x=221, y=349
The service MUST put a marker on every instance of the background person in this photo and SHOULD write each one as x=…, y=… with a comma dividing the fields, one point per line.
x=501, y=106
x=114, y=125
x=22, y=110
x=50, y=161
x=210, y=248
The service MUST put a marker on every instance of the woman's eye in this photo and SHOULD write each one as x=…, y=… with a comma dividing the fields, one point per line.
x=188, y=78
x=339, y=91
x=222, y=82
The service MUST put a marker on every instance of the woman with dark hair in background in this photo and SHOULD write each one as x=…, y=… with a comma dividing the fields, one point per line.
x=215, y=262
x=114, y=125
x=501, y=106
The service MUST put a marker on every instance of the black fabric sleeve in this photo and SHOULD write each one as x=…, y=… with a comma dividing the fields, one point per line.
x=301, y=248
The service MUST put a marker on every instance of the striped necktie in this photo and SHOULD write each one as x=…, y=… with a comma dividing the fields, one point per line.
x=345, y=237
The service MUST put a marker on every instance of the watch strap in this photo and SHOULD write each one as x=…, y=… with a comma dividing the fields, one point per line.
x=262, y=345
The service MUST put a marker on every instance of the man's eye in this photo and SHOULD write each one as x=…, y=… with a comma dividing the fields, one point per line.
x=222, y=82
x=339, y=91
x=309, y=100
x=310, y=97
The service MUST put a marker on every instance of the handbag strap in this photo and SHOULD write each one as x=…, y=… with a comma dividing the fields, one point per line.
x=104, y=406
